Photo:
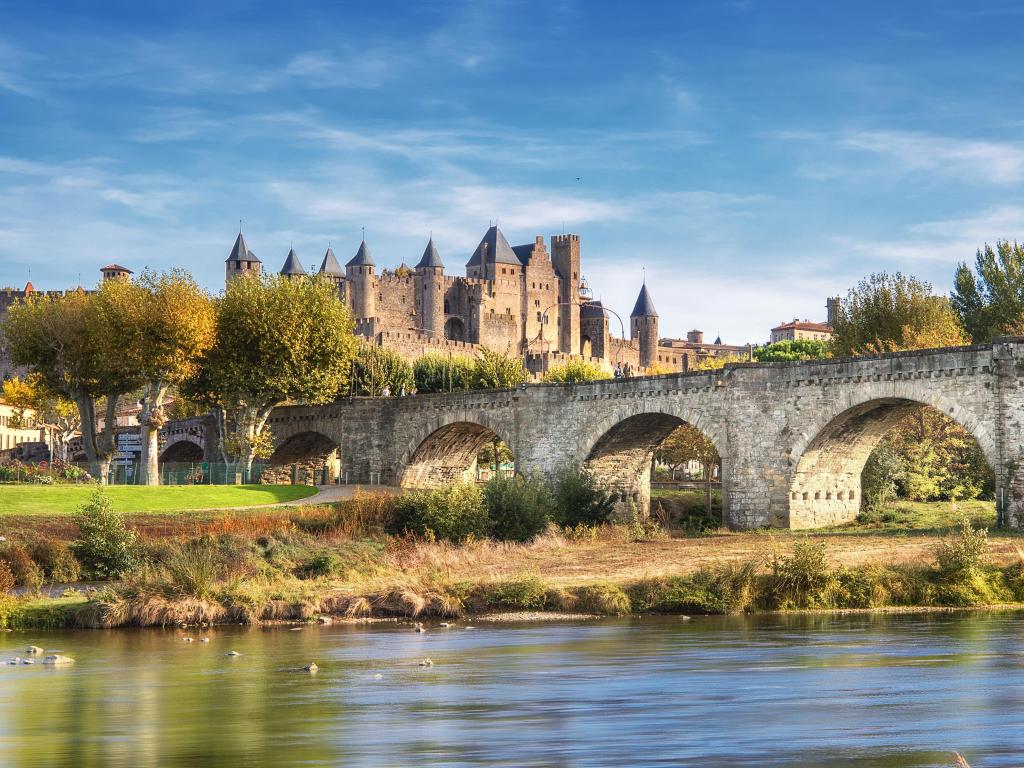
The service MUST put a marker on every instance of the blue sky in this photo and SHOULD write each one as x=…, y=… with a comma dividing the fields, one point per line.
x=755, y=157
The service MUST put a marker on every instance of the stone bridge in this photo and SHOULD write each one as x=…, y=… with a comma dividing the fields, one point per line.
x=793, y=437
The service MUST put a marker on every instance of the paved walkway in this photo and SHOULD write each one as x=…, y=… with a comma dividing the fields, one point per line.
x=327, y=494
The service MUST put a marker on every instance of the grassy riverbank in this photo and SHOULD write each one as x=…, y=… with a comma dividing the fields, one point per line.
x=300, y=563
x=50, y=500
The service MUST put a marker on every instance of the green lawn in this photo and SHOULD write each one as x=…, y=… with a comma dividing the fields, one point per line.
x=64, y=499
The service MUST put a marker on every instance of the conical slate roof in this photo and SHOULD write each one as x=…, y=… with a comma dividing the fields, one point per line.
x=362, y=257
x=430, y=258
x=644, y=306
x=240, y=251
x=292, y=265
x=330, y=265
x=497, y=247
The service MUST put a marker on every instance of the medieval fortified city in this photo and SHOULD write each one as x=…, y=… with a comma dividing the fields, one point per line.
x=304, y=460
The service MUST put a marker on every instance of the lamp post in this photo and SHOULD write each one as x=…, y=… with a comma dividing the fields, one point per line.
x=581, y=304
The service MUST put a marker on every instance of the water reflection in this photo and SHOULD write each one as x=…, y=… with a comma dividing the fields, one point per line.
x=864, y=690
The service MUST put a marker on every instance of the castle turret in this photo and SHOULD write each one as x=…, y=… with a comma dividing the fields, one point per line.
x=643, y=327
x=565, y=258
x=241, y=261
x=292, y=266
x=331, y=269
x=359, y=274
x=430, y=286
x=115, y=272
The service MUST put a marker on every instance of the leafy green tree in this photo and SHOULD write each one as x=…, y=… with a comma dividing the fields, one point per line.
x=884, y=473
x=166, y=322
x=575, y=370
x=888, y=313
x=277, y=341
x=435, y=372
x=497, y=370
x=684, y=444
x=990, y=300
x=789, y=351
x=495, y=448
x=62, y=340
x=377, y=370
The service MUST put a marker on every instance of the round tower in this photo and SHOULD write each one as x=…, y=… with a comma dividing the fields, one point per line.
x=359, y=275
x=430, y=287
x=643, y=327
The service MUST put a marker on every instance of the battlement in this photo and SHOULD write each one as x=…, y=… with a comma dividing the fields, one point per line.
x=561, y=239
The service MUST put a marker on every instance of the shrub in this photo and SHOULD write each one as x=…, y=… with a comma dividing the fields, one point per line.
x=963, y=554
x=6, y=578
x=604, y=598
x=56, y=560
x=526, y=594
x=575, y=371
x=884, y=471
x=454, y=512
x=324, y=564
x=578, y=499
x=20, y=563
x=803, y=579
x=518, y=507
x=105, y=546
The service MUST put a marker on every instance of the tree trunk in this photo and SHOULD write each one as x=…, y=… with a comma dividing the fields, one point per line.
x=151, y=419
x=707, y=488
x=87, y=412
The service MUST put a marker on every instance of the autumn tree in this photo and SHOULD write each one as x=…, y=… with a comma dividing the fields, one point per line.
x=277, y=341
x=989, y=301
x=50, y=410
x=686, y=443
x=713, y=362
x=888, y=313
x=63, y=342
x=166, y=323
x=497, y=370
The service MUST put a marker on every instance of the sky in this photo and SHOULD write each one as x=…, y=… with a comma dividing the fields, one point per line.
x=751, y=158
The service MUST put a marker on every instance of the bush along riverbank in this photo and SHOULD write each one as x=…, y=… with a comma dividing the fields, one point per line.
x=431, y=554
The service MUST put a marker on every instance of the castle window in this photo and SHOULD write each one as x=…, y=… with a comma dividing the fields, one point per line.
x=538, y=318
x=446, y=310
x=536, y=302
x=508, y=310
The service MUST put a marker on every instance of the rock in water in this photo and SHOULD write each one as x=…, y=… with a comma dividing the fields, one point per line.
x=426, y=663
x=188, y=639
x=311, y=667
x=232, y=653
x=34, y=650
x=205, y=640
x=445, y=624
x=58, y=660
x=323, y=620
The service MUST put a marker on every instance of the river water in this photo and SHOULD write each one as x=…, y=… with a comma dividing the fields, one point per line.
x=861, y=690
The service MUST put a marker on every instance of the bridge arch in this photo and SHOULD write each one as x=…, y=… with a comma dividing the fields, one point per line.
x=308, y=457
x=829, y=456
x=446, y=450
x=620, y=448
x=186, y=450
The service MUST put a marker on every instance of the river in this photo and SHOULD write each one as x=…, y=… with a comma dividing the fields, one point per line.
x=823, y=690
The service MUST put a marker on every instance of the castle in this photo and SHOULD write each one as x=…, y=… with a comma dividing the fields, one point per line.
x=521, y=299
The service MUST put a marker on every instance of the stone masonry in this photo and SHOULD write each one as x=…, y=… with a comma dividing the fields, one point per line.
x=793, y=437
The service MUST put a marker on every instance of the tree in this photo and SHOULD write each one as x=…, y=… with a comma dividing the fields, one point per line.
x=888, y=313
x=713, y=363
x=575, y=370
x=497, y=370
x=52, y=411
x=686, y=443
x=375, y=368
x=990, y=300
x=434, y=372
x=277, y=340
x=792, y=350
x=166, y=323
x=61, y=339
